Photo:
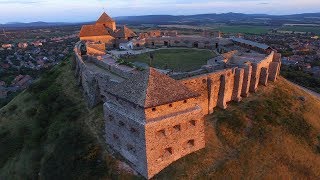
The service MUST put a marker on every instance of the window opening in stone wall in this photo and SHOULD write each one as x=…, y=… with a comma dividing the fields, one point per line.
x=161, y=133
x=185, y=101
x=154, y=109
x=111, y=118
x=168, y=152
x=134, y=131
x=131, y=148
x=192, y=123
x=177, y=127
x=170, y=105
x=115, y=136
x=121, y=124
x=190, y=143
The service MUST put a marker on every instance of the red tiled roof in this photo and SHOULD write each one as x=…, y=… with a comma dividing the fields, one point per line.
x=105, y=18
x=151, y=89
x=124, y=32
x=93, y=30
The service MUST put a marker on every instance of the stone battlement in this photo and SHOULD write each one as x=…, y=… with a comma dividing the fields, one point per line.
x=152, y=119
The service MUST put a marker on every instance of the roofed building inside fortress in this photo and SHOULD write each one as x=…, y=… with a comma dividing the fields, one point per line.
x=154, y=117
x=105, y=31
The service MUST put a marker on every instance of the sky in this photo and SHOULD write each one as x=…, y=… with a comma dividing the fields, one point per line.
x=90, y=10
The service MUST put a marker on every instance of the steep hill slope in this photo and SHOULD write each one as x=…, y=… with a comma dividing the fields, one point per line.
x=47, y=132
x=272, y=134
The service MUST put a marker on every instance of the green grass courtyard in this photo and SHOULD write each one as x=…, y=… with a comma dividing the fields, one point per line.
x=178, y=59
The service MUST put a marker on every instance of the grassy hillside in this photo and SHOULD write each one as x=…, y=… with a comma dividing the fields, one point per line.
x=272, y=134
x=47, y=132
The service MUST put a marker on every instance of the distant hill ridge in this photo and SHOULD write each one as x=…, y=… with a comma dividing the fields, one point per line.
x=183, y=19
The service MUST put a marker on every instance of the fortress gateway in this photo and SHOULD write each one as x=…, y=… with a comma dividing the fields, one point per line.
x=152, y=119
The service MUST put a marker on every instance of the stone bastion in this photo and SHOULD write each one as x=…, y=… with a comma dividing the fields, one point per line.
x=153, y=119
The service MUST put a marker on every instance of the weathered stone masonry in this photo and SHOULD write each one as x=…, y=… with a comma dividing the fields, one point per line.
x=227, y=85
x=153, y=120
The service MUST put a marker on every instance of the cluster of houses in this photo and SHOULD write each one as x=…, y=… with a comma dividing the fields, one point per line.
x=36, y=55
x=302, y=51
x=21, y=45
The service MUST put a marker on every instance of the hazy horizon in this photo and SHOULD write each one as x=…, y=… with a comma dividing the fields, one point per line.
x=82, y=11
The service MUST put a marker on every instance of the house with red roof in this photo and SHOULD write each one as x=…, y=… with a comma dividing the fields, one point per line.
x=105, y=31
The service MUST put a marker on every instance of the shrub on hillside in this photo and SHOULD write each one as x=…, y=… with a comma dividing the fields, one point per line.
x=272, y=111
x=74, y=156
x=31, y=112
x=13, y=107
x=45, y=82
x=234, y=120
x=10, y=144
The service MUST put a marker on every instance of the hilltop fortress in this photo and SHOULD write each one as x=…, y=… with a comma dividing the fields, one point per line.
x=153, y=118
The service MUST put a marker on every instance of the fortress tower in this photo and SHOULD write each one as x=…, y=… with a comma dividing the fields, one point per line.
x=153, y=120
x=105, y=32
x=107, y=22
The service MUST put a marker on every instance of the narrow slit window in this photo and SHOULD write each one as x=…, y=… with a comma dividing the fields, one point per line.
x=111, y=118
x=121, y=124
x=192, y=123
x=115, y=136
x=168, y=152
x=190, y=143
x=177, y=127
x=131, y=149
x=134, y=131
x=161, y=133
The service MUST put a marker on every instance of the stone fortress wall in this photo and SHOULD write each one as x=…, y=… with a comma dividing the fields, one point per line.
x=86, y=78
x=149, y=140
x=232, y=84
x=152, y=138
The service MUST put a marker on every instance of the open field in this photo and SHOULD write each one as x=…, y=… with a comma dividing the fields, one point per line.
x=186, y=27
x=177, y=59
x=244, y=29
x=313, y=29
